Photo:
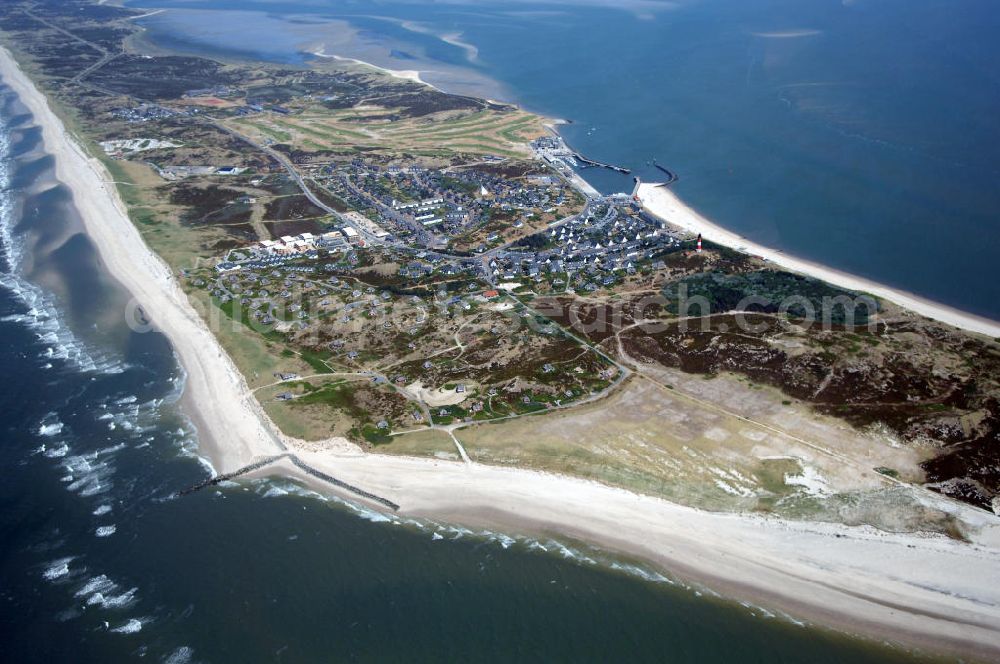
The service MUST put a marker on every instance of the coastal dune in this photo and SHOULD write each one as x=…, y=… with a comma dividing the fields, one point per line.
x=930, y=591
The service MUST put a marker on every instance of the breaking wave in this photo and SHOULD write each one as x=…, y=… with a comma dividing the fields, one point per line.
x=41, y=314
x=271, y=488
x=55, y=452
x=88, y=474
x=50, y=426
x=182, y=655
x=97, y=584
x=57, y=569
x=121, y=601
x=102, y=592
x=131, y=627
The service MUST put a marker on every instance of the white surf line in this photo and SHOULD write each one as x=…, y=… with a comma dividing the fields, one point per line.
x=927, y=591
x=237, y=426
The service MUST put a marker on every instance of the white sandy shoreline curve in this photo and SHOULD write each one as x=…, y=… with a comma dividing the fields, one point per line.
x=928, y=591
x=662, y=203
x=404, y=74
x=210, y=372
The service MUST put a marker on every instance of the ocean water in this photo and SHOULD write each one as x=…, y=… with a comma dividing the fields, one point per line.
x=861, y=134
x=100, y=562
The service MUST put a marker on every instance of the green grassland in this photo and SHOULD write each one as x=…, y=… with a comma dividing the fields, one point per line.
x=489, y=132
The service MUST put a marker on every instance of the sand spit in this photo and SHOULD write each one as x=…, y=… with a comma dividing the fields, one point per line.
x=929, y=591
x=664, y=204
x=404, y=74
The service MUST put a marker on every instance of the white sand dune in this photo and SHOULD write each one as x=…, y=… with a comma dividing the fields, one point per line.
x=923, y=590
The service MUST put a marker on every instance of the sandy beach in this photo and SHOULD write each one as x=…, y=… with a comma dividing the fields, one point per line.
x=214, y=386
x=403, y=74
x=664, y=204
x=928, y=591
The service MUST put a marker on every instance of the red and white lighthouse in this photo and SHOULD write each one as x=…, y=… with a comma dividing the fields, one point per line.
x=699, y=243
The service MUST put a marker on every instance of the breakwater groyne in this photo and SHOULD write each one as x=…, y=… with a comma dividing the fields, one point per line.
x=671, y=176
x=309, y=470
x=218, y=479
x=600, y=164
x=301, y=465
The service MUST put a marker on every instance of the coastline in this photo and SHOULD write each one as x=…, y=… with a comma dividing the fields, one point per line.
x=918, y=590
x=922, y=590
x=666, y=205
x=403, y=74
x=235, y=432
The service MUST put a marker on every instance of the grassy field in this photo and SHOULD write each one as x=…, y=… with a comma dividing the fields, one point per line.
x=657, y=440
x=157, y=220
x=338, y=405
x=310, y=421
x=502, y=133
x=427, y=443
x=257, y=357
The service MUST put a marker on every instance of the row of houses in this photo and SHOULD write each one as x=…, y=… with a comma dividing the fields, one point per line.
x=418, y=207
x=289, y=245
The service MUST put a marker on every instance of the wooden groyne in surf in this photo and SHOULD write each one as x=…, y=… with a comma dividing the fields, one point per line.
x=301, y=465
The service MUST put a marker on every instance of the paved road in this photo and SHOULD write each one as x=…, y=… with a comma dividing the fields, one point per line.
x=285, y=162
